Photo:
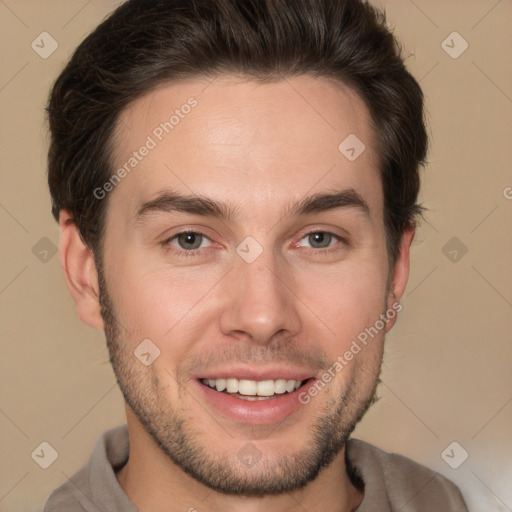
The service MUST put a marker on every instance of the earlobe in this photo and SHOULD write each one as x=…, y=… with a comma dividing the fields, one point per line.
x=77, y=262
x=400, y=274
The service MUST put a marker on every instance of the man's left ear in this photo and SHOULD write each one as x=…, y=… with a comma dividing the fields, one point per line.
x=400, y=274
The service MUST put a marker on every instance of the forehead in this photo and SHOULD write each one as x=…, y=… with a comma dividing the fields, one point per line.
x=254, y=144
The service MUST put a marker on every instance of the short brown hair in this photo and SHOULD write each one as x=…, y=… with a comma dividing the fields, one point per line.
x=145, y=43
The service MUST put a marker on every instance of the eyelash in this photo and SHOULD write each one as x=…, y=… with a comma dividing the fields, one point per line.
x=196, y=252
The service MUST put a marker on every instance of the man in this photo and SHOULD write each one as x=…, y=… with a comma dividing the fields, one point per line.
x=236, y=186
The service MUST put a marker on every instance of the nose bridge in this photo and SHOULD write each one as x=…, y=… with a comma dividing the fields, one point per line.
x=260, y=305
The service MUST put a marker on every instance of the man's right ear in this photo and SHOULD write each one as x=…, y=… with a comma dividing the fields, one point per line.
x=77, y=261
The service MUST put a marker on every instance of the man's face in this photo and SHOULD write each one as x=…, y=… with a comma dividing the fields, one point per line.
x=261, y=294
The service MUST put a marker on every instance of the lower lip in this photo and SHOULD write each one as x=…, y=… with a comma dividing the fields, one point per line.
x=257, y=412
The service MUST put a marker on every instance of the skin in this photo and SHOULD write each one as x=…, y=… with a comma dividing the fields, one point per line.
x=259, y=147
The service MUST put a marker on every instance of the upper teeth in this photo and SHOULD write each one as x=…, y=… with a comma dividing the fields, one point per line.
x=253, y=387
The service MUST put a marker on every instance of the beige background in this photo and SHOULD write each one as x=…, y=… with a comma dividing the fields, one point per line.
x=447, y=374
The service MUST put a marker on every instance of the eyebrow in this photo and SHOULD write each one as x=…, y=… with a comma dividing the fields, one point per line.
x=171, y=201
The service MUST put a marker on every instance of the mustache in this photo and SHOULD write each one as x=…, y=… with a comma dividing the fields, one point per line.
x=258, y=355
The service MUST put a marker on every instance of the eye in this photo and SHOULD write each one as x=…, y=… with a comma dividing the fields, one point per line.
x=321, y=239
x=187, y=242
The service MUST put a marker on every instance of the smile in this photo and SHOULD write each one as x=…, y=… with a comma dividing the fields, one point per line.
x=256, y=396
x=252, y=389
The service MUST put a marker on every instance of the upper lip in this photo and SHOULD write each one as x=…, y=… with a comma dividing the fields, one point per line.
x=245, y=373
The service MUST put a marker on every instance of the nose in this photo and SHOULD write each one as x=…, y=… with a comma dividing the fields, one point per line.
x=261, y=304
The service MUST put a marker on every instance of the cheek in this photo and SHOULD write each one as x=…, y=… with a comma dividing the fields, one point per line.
x=347, y=301
x=161, y=305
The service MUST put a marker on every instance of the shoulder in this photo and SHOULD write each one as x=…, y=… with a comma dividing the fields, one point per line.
x=404, y=483
x=94, y=488
x=64, y=498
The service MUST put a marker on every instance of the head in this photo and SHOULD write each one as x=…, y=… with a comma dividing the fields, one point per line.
x=229, y=120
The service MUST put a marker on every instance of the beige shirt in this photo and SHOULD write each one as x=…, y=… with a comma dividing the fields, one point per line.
x=391, y=482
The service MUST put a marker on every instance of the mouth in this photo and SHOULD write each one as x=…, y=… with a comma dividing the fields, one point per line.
x=261, y=398
x=253, y=390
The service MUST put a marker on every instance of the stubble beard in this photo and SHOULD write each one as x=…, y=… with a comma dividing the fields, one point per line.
x=184, y=442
